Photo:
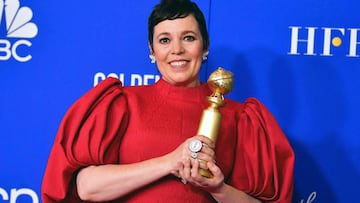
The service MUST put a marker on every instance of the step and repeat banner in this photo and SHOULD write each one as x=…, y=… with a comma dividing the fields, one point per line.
x=300, y=58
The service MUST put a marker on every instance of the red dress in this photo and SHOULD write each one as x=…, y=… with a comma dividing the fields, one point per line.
x=115, y=124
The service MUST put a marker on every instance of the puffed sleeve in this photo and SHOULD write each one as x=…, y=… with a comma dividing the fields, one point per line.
x=267, y=158
x=89, y=134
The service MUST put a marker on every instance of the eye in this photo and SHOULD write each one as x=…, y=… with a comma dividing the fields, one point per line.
x=164, y=40
x=189, y=38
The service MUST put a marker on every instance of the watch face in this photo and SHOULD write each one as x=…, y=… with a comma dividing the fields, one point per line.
x=195, y=145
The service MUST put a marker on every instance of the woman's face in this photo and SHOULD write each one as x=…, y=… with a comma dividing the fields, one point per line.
x=178, y=50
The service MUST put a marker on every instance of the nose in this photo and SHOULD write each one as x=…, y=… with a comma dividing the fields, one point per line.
x=177, y=47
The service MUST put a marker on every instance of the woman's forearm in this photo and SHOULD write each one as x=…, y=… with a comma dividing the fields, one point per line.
x=227, y=193
x=111, y=181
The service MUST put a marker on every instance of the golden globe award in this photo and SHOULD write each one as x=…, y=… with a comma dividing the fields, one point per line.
x=220, y=82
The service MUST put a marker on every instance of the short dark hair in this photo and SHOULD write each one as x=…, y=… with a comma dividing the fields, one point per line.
x=173, y=9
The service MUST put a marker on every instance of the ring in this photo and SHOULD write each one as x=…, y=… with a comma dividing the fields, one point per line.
x=183, y=181
x=194, y=155
x=195, y=145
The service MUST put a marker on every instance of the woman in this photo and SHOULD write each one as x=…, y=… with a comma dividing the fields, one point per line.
x=131, y=144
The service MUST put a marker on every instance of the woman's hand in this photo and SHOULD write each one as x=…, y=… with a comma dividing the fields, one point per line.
x=183, y=153
x=188, y=168
x=220, y=191
x=189, y=171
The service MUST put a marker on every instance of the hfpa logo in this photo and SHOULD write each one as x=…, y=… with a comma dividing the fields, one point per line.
x=18, y=29
x=332, y=37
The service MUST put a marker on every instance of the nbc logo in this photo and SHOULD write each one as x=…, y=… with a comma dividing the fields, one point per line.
x=18, y=29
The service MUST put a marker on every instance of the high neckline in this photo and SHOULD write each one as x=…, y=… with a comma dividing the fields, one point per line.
x=191, y=94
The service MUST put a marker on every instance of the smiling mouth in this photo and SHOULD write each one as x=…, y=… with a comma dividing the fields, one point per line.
x=178, y=63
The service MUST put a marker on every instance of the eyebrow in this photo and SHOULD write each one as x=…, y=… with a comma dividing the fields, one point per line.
x=183, y=33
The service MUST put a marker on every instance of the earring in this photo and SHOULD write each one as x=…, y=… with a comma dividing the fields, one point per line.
x=204, y=58
x=152, y=57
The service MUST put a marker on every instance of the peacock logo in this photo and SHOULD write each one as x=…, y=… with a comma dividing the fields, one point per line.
x=18, y=28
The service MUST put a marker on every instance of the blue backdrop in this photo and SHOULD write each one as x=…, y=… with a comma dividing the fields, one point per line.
x=301, y=58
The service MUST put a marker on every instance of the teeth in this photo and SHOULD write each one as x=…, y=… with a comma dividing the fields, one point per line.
x=178, y=63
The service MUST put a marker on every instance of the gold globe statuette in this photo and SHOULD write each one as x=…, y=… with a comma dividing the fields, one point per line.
x=220, y=82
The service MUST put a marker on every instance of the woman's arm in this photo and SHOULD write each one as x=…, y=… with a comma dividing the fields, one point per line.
x=221, y=192
x=227, y=193
x=112, y=181
x=108, y=182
